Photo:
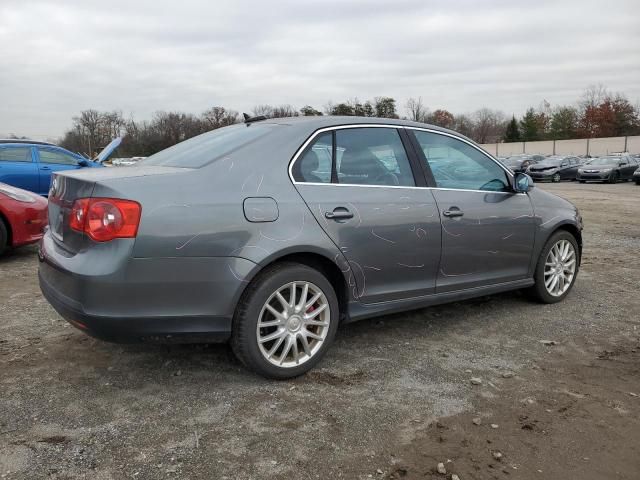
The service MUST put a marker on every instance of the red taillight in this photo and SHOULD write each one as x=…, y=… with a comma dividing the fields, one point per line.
x=104, y=219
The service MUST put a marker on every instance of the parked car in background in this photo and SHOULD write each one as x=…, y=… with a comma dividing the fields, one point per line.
x=29, y=165
x=125, y=162
x=23, y=216
x=520, y=163
x=272, y=233
x=555, y=168
x=610, y=168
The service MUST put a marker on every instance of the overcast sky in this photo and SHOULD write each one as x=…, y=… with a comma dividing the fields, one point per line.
x=62, y=56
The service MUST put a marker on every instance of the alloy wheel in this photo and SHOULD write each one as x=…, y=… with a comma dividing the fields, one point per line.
x=560, y=268
x=556, y=177
x=293, y=324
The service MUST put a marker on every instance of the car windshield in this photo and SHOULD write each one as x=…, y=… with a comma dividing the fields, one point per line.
x=208, y=147
x=605, y=161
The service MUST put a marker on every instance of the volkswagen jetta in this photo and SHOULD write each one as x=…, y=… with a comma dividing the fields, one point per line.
x=272, y=233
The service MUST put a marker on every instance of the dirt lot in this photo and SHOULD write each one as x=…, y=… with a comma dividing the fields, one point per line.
x=392, y=399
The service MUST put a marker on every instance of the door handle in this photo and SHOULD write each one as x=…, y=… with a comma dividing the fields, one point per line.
x=453, y=212
x=339, y=213
x=45, y=168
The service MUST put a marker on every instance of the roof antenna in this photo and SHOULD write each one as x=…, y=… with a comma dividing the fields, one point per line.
x=248, y=119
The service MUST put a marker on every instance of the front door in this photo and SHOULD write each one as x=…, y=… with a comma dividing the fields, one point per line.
x=17, y=167
x=487, y=229
x=367, y=202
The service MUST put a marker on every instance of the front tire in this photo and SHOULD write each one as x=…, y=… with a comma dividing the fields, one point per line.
x=614, y=177
x=4, y=236
x=557, y=268
x=285, y=322
x=555, y=178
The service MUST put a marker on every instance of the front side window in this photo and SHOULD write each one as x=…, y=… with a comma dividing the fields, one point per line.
x=314, y=165
x=60, y=158
x=457, y=165
x=15, y=154
x=372, y=156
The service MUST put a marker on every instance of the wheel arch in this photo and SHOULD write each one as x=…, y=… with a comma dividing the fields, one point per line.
x=7, y=226
x=573, y=230
x=314, y=260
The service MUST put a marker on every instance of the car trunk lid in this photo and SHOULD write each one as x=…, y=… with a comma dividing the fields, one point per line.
x=70, y=186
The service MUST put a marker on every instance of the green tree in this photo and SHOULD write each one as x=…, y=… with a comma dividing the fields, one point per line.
x=342, y=109
x=564, y=123
x=385, y=107
x=309, y=111
x=529, y=126
x=512, y=133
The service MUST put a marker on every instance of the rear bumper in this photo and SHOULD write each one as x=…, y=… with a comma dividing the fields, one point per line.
x=109, y=295
x=137, y=329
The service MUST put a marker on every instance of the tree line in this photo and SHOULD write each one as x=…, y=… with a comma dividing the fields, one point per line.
x=598, y=113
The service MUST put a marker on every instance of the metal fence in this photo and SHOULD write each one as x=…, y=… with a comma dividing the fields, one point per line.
x=582, y=146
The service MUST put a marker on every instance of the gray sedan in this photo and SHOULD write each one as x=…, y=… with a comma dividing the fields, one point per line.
x=270, y=234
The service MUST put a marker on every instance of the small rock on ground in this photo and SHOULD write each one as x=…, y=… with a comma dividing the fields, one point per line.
x=476, y=381
x=440, y=468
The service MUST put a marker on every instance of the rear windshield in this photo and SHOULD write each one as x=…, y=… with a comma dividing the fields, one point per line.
x=208, y=147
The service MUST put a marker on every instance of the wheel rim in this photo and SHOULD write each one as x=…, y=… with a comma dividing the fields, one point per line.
x=560, y=268
x=556, y=177
x=293, y=324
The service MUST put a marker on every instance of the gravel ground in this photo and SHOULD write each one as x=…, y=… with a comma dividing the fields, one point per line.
x=392, y=399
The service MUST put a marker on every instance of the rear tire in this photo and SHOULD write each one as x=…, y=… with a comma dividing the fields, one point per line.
x=542, y=291
x=638, y=182
x=582, y=181
x=262, y=302
x=4, y=237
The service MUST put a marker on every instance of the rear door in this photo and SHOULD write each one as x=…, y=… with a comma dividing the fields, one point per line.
x=373, y=207
x=18, y=168
x=51, y=160
x=487, y=229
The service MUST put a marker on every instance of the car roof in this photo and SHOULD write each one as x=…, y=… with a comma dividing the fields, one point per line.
x=325, y=121
x=25, y=141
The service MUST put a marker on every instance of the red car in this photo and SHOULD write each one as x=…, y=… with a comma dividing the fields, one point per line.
x=23, y=216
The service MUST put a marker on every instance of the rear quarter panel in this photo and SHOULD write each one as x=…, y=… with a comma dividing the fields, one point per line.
x=199, y=213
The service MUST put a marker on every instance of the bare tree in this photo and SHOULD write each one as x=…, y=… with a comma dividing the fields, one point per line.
x=263, y=110
x=217, y=117
x=489, y=125
x=416, y=109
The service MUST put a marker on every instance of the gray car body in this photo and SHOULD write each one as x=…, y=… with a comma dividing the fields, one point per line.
x=206, y=233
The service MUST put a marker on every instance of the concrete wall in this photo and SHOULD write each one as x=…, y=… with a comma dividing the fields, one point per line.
x=582, y=146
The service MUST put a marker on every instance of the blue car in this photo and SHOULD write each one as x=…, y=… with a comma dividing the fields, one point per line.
x=28, y=164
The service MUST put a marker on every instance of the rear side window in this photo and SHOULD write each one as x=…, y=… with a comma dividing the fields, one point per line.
x=15, y=154
x=314, y=166
x=198, y=151
x=457, y=165
x=372, y=156
x=60, y=158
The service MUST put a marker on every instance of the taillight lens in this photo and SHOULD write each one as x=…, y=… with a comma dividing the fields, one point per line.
x=104, y=219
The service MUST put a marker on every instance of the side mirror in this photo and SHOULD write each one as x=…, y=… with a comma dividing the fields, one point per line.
x=83, y=163
x=522, y=183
